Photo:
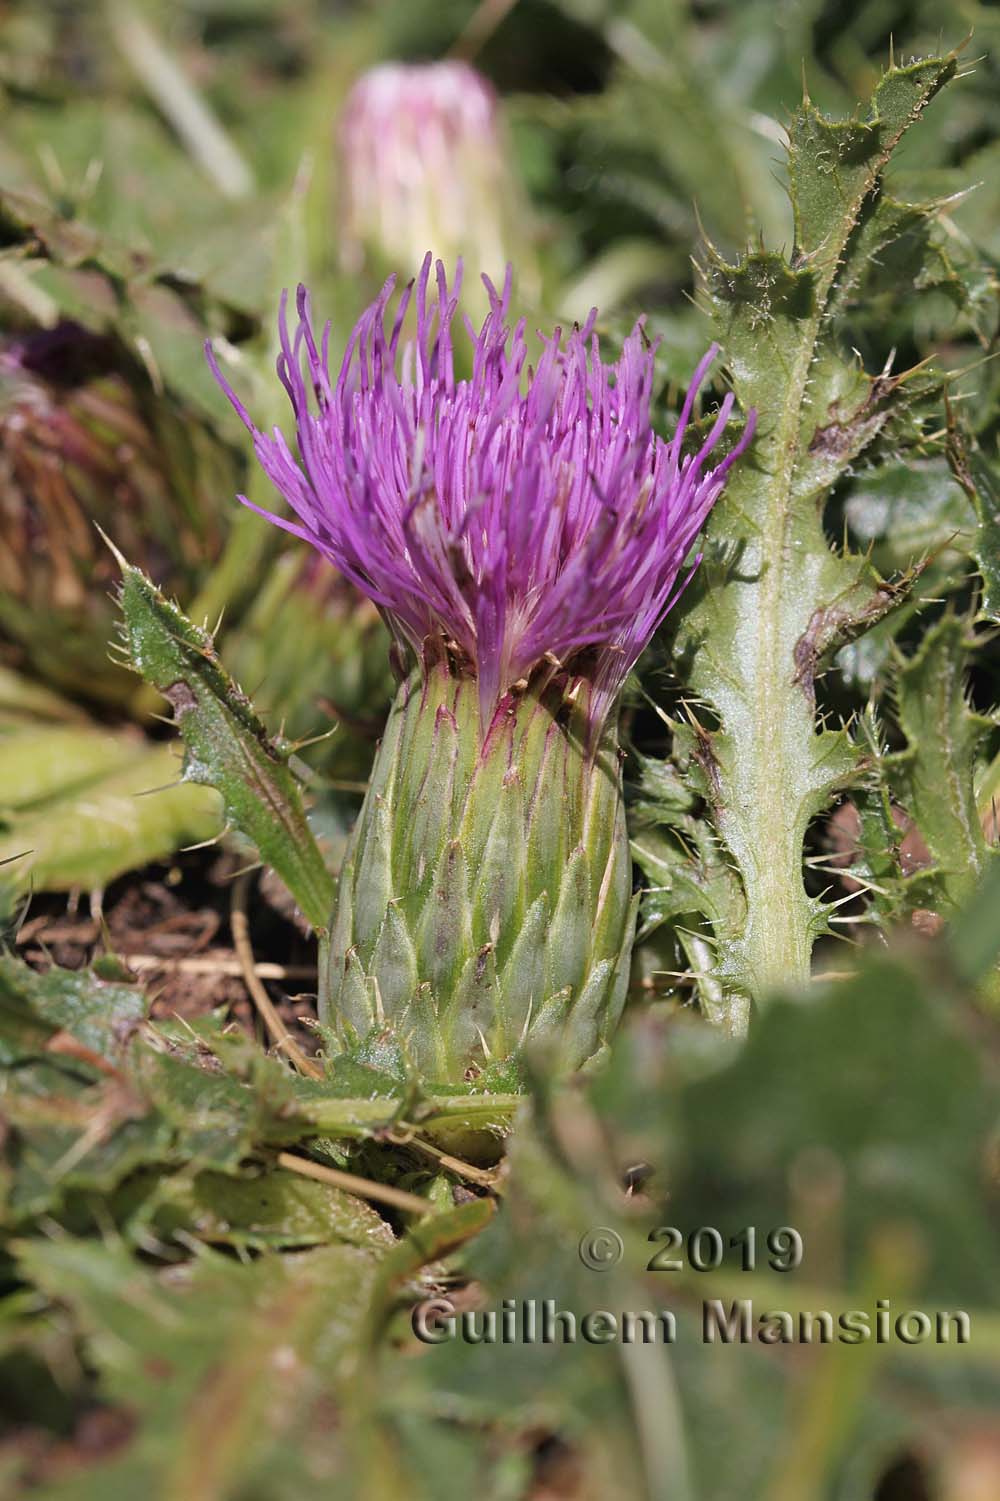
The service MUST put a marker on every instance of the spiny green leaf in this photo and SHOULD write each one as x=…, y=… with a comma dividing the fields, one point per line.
x=934, y=775
x=691, y=883
x=834, y=164
x=96, y=1095
x=92, y=1099
x=227, y=746
x=33, y=1006
x=980, y=479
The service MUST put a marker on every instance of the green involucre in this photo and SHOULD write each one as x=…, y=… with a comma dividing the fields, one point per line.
x=487, y=895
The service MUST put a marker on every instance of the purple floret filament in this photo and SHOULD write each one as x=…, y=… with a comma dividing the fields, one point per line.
x=523, y=519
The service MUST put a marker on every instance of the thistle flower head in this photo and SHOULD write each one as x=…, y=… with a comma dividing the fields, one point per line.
x=423, y=163
x=82, y=441
x=517, y=516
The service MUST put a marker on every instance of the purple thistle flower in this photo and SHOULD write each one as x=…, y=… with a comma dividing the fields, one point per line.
x=519, y=515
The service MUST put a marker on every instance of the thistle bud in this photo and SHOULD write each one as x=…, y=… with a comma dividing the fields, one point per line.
x=77, y=446
x=523, y=532
x=487, y=896
x=424, y=163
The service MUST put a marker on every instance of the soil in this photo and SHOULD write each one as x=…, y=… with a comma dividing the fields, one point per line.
x=170, y=925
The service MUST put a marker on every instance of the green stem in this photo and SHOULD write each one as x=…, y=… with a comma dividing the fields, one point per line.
x=776, y=600
x=777, y=725
x=358, y=1117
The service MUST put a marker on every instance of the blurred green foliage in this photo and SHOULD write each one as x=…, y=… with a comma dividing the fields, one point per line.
x=141, y=1156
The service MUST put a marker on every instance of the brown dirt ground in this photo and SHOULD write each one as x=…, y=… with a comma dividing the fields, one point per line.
x=171, y=925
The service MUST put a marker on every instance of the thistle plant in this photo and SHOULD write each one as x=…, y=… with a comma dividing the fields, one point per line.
x=524, y=532
x=423, y=162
